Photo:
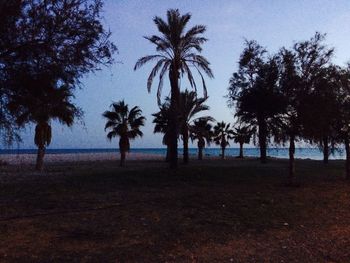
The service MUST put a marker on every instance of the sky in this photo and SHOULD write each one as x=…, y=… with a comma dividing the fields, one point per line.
x=273, y=23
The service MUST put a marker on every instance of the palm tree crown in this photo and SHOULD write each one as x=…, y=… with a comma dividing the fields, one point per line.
x=124, y=123
x=44, y=101
x=222, y=134
x=161, y=121
x=201, y=130
x=242, y=134
x=177, y=50
x=190, y=106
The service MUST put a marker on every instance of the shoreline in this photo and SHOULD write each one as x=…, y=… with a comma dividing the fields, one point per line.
x=30, y=158
x=24, y=159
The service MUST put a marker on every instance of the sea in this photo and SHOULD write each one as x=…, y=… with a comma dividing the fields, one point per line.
x=301, y=153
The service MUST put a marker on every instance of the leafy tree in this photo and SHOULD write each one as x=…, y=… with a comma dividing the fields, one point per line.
x=222, y=134
x=287, y=125
x=124, y=123
x=342, y=122
x=61, y=38
x=242, y=134
x=178, y=50
x=317, y=78
x=40, y=102
x=253, y=89
x=319, y=122
x=201, y=130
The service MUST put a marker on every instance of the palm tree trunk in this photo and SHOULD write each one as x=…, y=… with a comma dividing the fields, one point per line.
x=173, y=125
x=167, y=157
x=40, y=158
x=347, y=163
x=185, y=144
x=262, y=140
x=222, y=152
x=240, y=150
x=200, y=153
x=122, y=158
x=325, y=150
x=291, y=176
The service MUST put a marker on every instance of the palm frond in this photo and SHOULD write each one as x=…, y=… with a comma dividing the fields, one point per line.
x=142, y=61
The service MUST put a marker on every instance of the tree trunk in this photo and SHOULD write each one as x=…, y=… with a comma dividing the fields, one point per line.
x=325, y=150
x=240, y=150
x=347, y=162
x=291, y=176
x=262, y=140
x=173, y=124
x=167, y=157
x=122, y=158
x=200, y=153
x=185, y=144
x=222, y=152
x=40, y=158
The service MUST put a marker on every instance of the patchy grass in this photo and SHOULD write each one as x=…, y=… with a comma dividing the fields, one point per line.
x=211, y=211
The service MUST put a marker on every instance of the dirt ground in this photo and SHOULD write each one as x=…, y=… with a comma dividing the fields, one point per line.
x=210, y=211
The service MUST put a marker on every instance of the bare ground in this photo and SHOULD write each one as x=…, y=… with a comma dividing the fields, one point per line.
x=210, y=211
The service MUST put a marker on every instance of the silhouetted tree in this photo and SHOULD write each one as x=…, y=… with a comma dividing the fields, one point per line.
x=190, y=106
x=40, y=102
x=9, y=13
x=319, y=112
x=317, y=77
x=342, y=123
x=61, y=38
x=222, y=134
x=177, y=52
x=287, y=125
x=161, y=121
x=242, y=134
x=201, y=130
x=124, y=123
x=253, y=89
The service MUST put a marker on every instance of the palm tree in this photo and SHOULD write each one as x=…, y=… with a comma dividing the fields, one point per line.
x=201, y=130
x=190, y=106
x=222, y=134
x=241, y=135
x=40, y=102
x=161, y=121
x=124, y=123
x=177, y=51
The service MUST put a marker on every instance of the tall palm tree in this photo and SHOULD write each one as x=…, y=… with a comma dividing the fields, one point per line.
x=39, y=102
x=242, y=135
x=190, y=106
x=201, y=130
x=177, y=51
x=124, y=123
x=161, y=121
x=222, y=134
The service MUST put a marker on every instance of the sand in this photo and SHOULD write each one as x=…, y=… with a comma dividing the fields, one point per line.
x=19, y=159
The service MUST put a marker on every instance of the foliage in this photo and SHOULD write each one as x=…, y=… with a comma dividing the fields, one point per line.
x=161, y=121
x=124, y=123
x=177, y=50
x=201, y=130
x=242, y=133
x=222, y=134
x=60, y=39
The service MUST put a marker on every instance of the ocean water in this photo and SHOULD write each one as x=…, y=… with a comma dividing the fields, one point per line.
x=301, y=153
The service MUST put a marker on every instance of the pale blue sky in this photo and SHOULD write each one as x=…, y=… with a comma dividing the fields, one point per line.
x=272, y=23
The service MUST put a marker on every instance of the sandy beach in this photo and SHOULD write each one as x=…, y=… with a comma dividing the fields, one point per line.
x=19, y=159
